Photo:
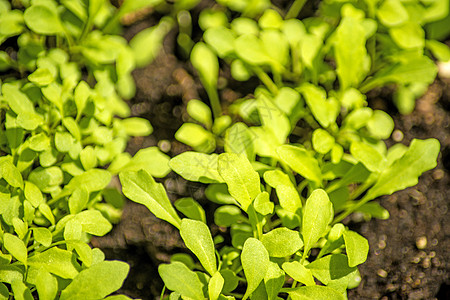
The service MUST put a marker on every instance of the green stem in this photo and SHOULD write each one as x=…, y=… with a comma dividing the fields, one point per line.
x=350, y=210
x=265, y=79
x=295, y=9
x=214, y=101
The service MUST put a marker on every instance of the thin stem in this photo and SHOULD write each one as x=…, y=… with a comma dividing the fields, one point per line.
x=265, y=79
x=214, y=101
x=295, y=9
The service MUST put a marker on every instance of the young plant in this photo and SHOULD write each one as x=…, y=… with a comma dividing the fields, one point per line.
x=60, y=145
x=309, y=135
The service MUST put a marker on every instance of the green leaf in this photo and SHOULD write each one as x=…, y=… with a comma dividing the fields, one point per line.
x=150, y=159
x=273, y=118
x=369, y=156
x=316, y=292
x=282, y=242
x=197, y=137
x=177, y=277
x=17, y=100
x=78, y=200
x=420, y=69
x=96, y=282
x=440, y=50
x=41, y=77
x=409, y=35
x=198, y=239
x=11, y=23
x=11, y=174
x=317, y=215
x=239, y=140
x=299, y=273
x=380, y=125
x=221, y=39
x=63, y=141
x=215, y=286
x=242, y=181
x=92, y=180
x=324, y=111
x=273, y=280
x=72, y=126
x=42, y=236
x=29, y=120
x=151, y=39
x=206, y=63
x=16, y=247
x=10, y=273
x=137, y=126
x=56, y=261
x=46, y=211
x=299, y=160
x=93, y=222
x=4, y=292
x=392, y=13
x=20, y=290
x=255, y=262
x=357, y=248
x=39, y=142
x=140, y=187
x=194, y=166
x=88, y=158
x=191, y=209
x=263, y=205
x=46, y=284
x=420, y=157
x=251, y=49
x=227, y=215
x=332, y=270
x=200, y=112
x=81, y=95
x=41, y=19
x=322, y=141
x=352, y=60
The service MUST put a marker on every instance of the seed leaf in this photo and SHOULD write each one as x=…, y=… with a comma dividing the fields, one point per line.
x=198, y=239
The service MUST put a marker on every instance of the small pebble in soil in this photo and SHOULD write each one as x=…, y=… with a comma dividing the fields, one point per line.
x=421, y=242
x=397, y=135
x=382, y=273
x=164, y=145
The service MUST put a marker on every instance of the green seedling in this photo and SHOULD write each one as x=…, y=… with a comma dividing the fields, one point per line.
x=61, y=142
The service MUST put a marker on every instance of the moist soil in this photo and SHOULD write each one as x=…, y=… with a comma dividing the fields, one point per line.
x=409, y=253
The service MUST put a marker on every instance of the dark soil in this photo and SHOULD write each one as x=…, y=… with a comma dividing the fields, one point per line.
x=409, y=253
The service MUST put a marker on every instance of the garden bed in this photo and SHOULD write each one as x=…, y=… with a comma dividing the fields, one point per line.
x=409, y=253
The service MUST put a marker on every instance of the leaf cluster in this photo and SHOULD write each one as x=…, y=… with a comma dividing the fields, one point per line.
x=289, y=162
x=64, y=129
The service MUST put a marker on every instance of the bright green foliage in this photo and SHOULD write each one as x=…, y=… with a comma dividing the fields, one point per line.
x=58, y=134
x=307, y=151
